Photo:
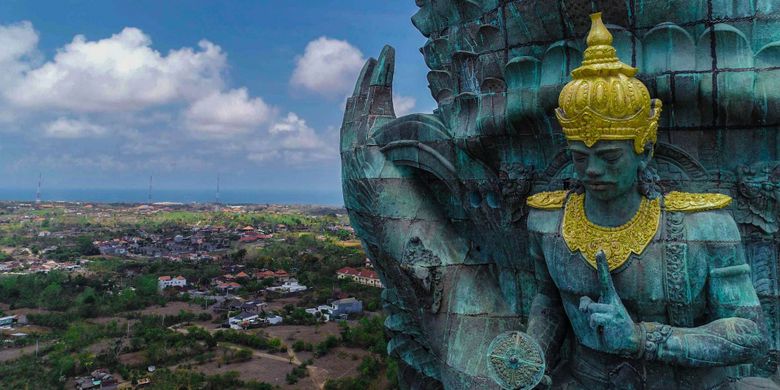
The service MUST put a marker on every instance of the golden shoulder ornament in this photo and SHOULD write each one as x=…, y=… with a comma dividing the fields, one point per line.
x=547, y=200
x=618, y=243
x=692, y=202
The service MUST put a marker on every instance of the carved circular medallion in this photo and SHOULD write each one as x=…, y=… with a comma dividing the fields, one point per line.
x=515, y=361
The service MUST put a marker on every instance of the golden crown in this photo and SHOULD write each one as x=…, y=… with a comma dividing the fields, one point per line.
x=604, y=101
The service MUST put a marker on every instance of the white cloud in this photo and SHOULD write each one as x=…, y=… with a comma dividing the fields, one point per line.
x=100, y=162
x=293, y=141
x=154, y=110
x=403, y=105
x=18, y=52
x=328, y=67
x=119, y=73
x=72, y=128
x=18, y=43
x=224, y=114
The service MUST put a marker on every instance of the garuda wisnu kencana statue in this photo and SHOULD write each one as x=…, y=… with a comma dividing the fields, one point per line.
x=550, y=223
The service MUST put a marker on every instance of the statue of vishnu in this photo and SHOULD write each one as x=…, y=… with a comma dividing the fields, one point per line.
x=654, y=287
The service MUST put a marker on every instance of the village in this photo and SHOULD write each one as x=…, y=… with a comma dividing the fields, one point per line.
x=249, y=286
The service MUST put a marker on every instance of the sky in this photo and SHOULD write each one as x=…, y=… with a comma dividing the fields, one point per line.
x=105, y=94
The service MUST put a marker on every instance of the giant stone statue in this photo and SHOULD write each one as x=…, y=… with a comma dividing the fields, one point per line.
x=550, y=223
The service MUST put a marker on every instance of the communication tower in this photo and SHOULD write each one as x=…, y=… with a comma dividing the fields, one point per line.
x=38, y=191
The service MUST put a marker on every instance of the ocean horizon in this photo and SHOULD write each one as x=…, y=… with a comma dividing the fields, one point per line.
x=96, y=195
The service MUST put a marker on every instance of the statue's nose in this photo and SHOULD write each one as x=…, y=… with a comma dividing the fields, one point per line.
x=594, y=169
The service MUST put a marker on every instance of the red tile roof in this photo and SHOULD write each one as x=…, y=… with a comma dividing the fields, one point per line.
x=347, y=271
x=368, y=274
x=165, y=277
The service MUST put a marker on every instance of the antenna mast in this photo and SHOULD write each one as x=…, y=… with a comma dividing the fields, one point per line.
x=38, y=192
x=217, y=199
x=150, y=189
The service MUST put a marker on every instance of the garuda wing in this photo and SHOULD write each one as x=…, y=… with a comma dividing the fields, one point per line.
x=433, y=220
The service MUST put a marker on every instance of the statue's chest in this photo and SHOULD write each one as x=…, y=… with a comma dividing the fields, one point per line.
x=647, y=283
x=640, y=277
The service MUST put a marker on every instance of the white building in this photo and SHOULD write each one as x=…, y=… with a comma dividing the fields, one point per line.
x=243, y=320
x=166, y=281
x=289, y=286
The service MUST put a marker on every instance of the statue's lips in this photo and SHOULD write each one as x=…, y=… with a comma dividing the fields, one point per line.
x=598, y=185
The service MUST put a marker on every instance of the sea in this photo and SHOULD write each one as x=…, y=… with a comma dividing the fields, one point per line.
x=301, y=197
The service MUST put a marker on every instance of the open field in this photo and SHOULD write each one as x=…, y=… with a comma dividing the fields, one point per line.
x=310, y=334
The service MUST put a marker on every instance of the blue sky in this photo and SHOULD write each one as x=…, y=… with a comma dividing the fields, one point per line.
x=105, y=94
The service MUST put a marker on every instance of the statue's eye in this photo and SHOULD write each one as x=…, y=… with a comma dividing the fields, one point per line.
x=611, y=157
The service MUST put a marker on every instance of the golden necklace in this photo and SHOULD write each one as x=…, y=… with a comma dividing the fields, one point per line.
x=618, y=243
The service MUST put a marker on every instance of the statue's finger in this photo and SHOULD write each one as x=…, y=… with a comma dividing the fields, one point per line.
x=585, y=302
x=601, y=308
x=605, y=279
x=600, y=320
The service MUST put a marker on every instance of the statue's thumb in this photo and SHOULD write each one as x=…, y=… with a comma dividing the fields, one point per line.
x=608, y=293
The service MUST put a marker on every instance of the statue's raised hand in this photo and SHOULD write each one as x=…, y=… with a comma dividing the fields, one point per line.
x=616, y=331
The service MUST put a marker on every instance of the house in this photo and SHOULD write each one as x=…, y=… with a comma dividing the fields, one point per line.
x=166, y=281
x=289, y=286
x=242, y=275
x=248, y=238
x=229, y=304
x=364, y=276
x=264, y=274
x=7, y=321
x=369, y=278
x=346, y=306
x=253, y=236
x=321, y=312
x=339, y=308
x=273, y=320
x=227, y=287
x=347, y=273
x=70, y=267
x=98, y=379
x=280, y=275
x=243, y=320
x=254, y=306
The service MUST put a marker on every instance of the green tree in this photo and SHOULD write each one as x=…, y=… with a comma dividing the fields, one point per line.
x=52, y=298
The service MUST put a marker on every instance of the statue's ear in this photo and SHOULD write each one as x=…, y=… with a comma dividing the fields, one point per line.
x=647, y=155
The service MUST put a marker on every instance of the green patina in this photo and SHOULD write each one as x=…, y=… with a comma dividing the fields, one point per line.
x=439, y=200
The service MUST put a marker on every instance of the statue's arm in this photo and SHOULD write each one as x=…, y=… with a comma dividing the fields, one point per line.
x=547, y=321
x=735, y=334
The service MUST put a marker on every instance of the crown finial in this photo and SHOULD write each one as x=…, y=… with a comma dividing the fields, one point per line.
x=600, y=57
x=598, y=35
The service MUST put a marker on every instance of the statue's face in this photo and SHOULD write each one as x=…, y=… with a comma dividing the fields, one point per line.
x=608, y=169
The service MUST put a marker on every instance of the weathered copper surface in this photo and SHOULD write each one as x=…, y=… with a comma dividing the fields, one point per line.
x=439, y=199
